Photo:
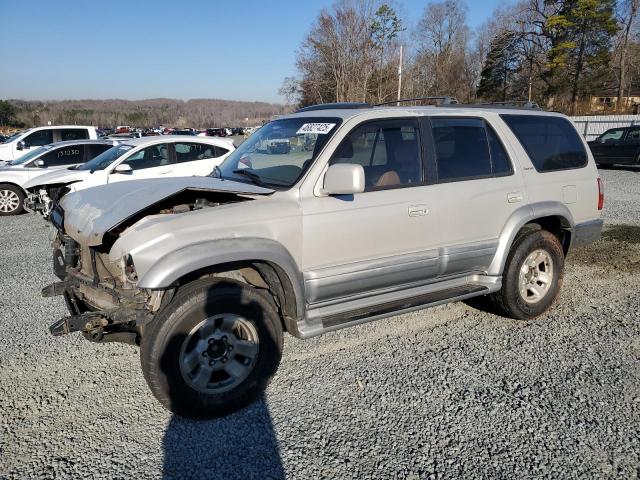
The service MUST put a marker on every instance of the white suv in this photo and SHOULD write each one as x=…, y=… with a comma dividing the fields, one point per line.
x=132, y=159
x=369, y=212
x=22, y=142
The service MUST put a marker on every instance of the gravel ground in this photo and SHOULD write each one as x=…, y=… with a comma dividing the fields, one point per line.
x=449, y=392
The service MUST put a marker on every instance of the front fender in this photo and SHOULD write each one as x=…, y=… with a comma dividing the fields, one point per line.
x=517, y=220
x=173, y=266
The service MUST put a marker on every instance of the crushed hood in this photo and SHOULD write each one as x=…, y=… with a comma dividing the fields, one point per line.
x=90, y=213
x=64, y=175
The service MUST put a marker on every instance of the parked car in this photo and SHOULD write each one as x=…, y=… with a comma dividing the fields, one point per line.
x=22, y=142
x=617, y=146
x=14, y=175
x=123, y=129
x=3, y=138
x=392, y=210
x=183, y=131
x=216, y=132
x=131, y=159
x=237, y=131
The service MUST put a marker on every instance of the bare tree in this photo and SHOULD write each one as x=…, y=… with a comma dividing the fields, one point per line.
x=627, y=17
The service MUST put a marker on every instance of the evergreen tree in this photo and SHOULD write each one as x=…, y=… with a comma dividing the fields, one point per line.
x=500, y=64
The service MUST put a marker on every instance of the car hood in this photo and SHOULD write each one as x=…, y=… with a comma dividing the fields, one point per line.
x=90, y=213
x=64, y=175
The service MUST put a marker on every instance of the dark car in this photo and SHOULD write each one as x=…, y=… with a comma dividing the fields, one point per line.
x=617, y=146
x=216, y=132
x=183, y=131
x=237, y=131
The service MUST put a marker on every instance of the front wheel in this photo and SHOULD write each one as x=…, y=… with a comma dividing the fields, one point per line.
x=213, y=349
x=532, y=276
x=11, y=200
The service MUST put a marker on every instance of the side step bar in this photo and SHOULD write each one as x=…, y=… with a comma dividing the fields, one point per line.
x=385, y=309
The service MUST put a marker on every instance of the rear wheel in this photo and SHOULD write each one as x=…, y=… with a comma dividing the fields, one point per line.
x=213, y=349
x=532, y=276
x=11, y=200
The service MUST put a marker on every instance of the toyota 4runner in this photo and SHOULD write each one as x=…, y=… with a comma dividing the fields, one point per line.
x=371, y=212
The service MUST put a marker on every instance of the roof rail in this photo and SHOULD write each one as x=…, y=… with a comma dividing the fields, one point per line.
x=523, y=104
x=329, y=106
x=446, y=100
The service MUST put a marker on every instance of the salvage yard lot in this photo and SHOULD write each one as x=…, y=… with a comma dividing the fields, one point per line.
x=450, y=391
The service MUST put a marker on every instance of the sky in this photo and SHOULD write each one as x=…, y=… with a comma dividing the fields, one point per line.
x=137, y=49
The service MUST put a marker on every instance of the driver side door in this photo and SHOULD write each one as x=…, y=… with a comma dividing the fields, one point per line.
x=150, y=162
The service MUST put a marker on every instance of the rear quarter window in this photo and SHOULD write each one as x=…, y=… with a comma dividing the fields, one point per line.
x=552, y=143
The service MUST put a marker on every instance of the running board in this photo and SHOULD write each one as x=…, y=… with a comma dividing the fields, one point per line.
x=385, y=309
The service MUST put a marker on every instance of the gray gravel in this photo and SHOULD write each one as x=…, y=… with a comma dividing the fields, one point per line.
x=449, y=392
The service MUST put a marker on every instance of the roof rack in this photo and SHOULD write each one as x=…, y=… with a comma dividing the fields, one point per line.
x=523, y=104
x=339, y=105
x=446, y=100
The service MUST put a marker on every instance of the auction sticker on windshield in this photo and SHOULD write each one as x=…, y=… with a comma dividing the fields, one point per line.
x=315, y=128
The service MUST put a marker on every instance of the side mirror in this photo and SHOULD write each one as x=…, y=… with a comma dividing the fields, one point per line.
x=123, y=168
x=22, y=145
x=39, y=163
x=344, y=179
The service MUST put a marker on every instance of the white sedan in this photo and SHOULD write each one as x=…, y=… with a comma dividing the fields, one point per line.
x=132, y=159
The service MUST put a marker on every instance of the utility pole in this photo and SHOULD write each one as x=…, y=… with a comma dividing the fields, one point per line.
x=400, y=77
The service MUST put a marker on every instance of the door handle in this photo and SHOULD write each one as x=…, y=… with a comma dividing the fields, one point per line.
x=515, y=197
x=418, y=210
x=165, y=172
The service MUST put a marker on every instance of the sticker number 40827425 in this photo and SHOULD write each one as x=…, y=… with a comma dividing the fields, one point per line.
x=315, y=128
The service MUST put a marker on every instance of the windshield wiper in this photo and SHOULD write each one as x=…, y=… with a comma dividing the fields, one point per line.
x=217, y=173
x=254, y=177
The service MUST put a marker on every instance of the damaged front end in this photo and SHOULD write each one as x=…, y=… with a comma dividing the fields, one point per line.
x=104, y=302
x=43, y=199
x=101, y=292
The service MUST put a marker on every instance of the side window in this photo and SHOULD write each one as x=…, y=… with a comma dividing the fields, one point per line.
x=552, y=143
x=633, y=136
x=73, y=134
x=190, y=151
x=96, y=149
x=388, y=151
x=612, y=135
x=154, y=156
x=462, y=150
x=64, y=156
x=39, y=138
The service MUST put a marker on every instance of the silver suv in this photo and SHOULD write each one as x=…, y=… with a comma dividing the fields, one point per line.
x=369, y=212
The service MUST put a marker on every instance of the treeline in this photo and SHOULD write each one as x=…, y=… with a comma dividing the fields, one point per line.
x=555, y=52
x=199, y=113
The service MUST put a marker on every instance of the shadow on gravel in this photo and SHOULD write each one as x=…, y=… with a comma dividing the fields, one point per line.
x=618, y=251
x=243, y=445
x=628, y=168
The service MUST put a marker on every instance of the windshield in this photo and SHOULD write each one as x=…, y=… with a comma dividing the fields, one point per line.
x=279, y=153
x=28, y=156
x=14, y=136
x=106, y=158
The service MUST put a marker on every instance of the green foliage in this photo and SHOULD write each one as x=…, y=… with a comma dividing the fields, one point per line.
x=501, y=62
x=386, y=26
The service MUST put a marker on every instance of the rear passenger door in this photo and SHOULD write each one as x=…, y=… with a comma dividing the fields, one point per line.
x=65, y=134
x=477, y=189
x=631, y=146
x=194, y=158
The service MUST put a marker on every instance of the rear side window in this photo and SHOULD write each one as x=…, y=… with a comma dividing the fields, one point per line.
x=73, y=134
x=467, y=148
x=551, y=142
x=189, y=152
x=95, y=149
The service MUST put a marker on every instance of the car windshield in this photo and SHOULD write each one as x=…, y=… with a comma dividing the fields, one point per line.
x=14, y=136
x=106, y=158
x=279, y=153
x=28, y=156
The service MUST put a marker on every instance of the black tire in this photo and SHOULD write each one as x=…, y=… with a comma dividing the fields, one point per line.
x=164, y=339
x=13, y=191
x=508, y=301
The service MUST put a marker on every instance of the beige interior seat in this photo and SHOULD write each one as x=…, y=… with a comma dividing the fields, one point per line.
x=388, y=178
